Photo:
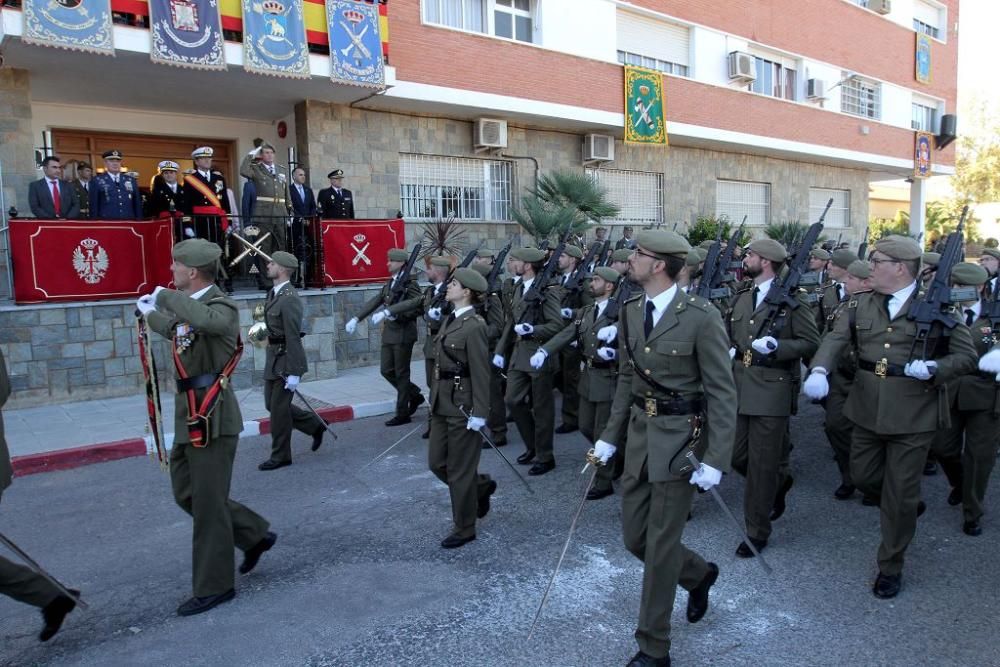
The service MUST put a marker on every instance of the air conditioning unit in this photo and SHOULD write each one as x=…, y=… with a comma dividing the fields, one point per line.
x=598, y=148
x=815, y=89
x=880, y=6
x=741, y=66
x=489, y=133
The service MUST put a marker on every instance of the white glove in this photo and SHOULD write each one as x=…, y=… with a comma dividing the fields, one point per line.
x=351, y=326
x=379, y=316
x=607, y=353
x=434, y=313
x=706, y=477
x=156, y=292
x=732, y=353
x=524, y=329
x=291, y=382
x=188, y=232
x=498, y=360
x=604, y=450
x=765, y=345
x=538, y=359
x=475, y=423
x=146, y=304
x=608, y=333
x=816, y=386
x=567, y=313
x=990, y=363
x=255, y=152
x=919, y=369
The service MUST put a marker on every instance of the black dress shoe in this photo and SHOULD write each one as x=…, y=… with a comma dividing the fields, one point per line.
x=273, y=465
x=596, y=494
x=483, y=506
x=426, y=435
x=566, y=428
x=641, y=659
x=542, y=467
x=921, y=508
x=743, y=551
x=398, y=420
x=955, y=497
x=887, y=585
x=844, y=492
x=972, y=528
x=416, y=402
x=526, y=458
x=930, y=468
x=253, y=554
x=698, y=597
x=779, y=500
x=870, y=501
x=318, y=436
x=201, y=605
x=54, y=613
x=453, y=541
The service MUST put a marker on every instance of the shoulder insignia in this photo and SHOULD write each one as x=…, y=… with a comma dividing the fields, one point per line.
x=744, y=289
x=635, y=297
x=189, y=171
x=216, y=172
x=699, y=302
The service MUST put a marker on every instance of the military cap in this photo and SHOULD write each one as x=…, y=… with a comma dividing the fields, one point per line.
x=485, y=252
x=573, y=251
x=204, y=151
x=899, y=247
x=196, y=252
x=83, y=164
x=398, y=255
x=336, y=173
x=482, y=269
x=168, y=165
x=696, y=257
x=470, y=279
x=621, y=255
x=285, y=259
x=843, y=258
x=931, y=259
x=769, y=249
x=860, y=269
x=992, y=252
x=113, y=154
x=819, y=253
x=706, y=244
x=441, y=260
x=528, y=254
x=607, y=273
x=967, y=273
x=663, y=243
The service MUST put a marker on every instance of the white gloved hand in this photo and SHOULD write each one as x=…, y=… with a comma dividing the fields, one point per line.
x=351, y=326
x=706, y=477
x=765, y=345
x=732, y=353
x=524, y=329
x=919, y=369
x=156, y=292
x=255, y=152
x=291, y=382
x=145, y=304
x=567, y=313
x=498, y=360
x=434, y=313
x=816, y=386
x=604, y=450
x=990, y=362
x=188, y=232
x=608, y=333
x=475, y=423
x=538, y=359
x=607, y=353
x=379, y=316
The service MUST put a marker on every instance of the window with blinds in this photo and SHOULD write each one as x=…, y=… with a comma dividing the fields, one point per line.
x=927, y=18
x=839, y=215
x=734, y=199
x=639, y=195
x=652, y=43
x=436, y=186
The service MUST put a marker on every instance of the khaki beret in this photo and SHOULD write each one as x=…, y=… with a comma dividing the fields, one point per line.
x=485, y=252
x=706, y=244
x=860, y=269
x=470, y=279
x=441, y=260
x=528, y=254
x=196, y=252
x=696, y=256
x=621, y=255
x=819, y=253
x=843, y=258
x=398, y=255
x=663, y=243
x=899, y=247
x=482, y=269
x=573, y=251
x=967, y=273
x=930, y=259
x=769, y=249
x=607, y=273
x=992, y=252
x=285, y=259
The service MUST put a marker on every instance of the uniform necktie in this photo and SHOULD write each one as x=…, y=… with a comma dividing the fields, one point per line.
x=448, y=320
x=756, y=293
x=970, y=317
x=56, y=204
x=840, y=296
x=648, y=324
x=888, y=298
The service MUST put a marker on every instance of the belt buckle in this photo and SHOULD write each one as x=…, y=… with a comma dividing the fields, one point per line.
x=651, y=407
x=457, y=381
x=882, y=367
x=748, y=358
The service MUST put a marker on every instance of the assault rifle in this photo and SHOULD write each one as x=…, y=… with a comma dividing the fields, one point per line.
x=575, y=282
x=711, y=264
x=621, y=295
x=398, y=290
x=535, y=296
x=605, y=257
x=993, y=311
x=439, y=299
x=714, y=275
x=863, y=248
x=491, y=280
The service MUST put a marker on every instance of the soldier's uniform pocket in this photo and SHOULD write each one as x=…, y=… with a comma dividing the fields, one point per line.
x=678, y=355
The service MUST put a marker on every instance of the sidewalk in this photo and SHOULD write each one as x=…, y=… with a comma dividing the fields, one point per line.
x=68, y=435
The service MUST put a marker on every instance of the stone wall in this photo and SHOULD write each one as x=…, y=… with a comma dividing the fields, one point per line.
x=17, y=156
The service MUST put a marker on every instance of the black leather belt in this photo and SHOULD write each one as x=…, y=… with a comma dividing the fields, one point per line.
x=276, y=340
x=992, y=377
x=600, y=363
x=751, y=357
x=673, y=406
x=196, y=382
x=460, y=373
x=881, y=368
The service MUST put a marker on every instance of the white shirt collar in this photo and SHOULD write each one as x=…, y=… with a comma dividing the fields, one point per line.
x=51, y=181
x=660, y=303
x=277, y=288
x=899, y=298
x=762, y=292
x=527, y=282
x=601, y=305
x=437, y=287
x=459, y=312
x=976, y=308
x=201, y=292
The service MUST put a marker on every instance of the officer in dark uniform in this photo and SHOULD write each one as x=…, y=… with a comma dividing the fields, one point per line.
x=336, y=202
x=114, y=195
x=166, y=195
x=206, y=198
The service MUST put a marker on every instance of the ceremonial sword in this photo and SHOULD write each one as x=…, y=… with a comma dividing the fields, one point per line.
x=488, y=441
x=252, y=248
x=326, y=424
x=30, y=562
x=383, y=454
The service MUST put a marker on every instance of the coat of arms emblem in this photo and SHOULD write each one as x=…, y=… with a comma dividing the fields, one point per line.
x=90, y=261
x=184, y=15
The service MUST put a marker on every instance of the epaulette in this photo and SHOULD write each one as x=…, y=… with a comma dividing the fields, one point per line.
x=743, y=289
x=699, y=302
x=216, y=172
x=635, y=297
x=188, y=172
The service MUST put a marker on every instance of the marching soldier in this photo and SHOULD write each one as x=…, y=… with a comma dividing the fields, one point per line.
x=990, y=260
x=766, y=369
x=271, y=205
x=114, y=195
x=490, y=308
x=398, y=336
x=571, y=301
x=459, y=403
x=675, y=382
x=929, y=262
x=285, y=364
x=896, y=403
x=336, y=202
x=203, y=327
x=834, y=291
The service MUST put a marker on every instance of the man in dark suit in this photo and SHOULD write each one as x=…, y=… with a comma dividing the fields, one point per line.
x=303, y=208
x=50, y=196
x=336, y=202
x=114, y=195
x=626, y=241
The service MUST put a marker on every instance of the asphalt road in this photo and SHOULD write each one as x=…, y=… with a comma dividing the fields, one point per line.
x=358, y=577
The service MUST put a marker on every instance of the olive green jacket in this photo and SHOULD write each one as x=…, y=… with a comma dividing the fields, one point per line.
x=597, y=383
x=418, y=306
x=272, y=191
x=975, y=391
x=283, y=315
x=828, y=303
x=517, y=350
x=462, y=350
x=403, y=329
x=6, y=470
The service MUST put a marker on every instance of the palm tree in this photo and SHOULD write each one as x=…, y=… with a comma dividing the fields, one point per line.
x=563, y=201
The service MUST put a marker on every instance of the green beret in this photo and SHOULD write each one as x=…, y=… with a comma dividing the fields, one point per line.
x=899, y=247
x=992, y=252
x=607, y=273
x=930, y=259
x=966, y=273
x=528, y=254
x=696, y=256
x=441, y=260
x=485, y=252
x=621, y=255
x=663, y=243
x=860, y=269
x=706, y=244
x=844, y=258
x=819, y=253
x=769, y=249
x=573, y=251
x=285, y=259
x=470, y=279
x=196, y=252
x=398, y=255
x=482, y=269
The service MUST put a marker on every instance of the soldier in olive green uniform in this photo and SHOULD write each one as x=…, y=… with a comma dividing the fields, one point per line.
x=524, y=332
x=818, y=261
x=896, y=402
x=203, y=326
x=16, y=581
x=490, y=308
x=459, y=403
x=766, y=368
x=835, y=291
x=674, y=370
x=570, y=303
x=285, y=364
x=272, y=206
x=398, y=336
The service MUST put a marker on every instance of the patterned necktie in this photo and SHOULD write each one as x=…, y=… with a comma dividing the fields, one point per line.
x=970, y=317
x=648, y=324
x=56, y=204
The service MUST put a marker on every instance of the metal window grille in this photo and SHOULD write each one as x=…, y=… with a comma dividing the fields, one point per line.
x=435, y=186
x=639, y=195
x=463, y=14
x=628, y=58
x=839, y=215
x=922, y=117
x=734, y=199
x=861, y=97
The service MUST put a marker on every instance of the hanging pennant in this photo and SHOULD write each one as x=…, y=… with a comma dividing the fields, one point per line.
x=274, y=38
x=187, y=33
x=81, y=25
x=355, y=43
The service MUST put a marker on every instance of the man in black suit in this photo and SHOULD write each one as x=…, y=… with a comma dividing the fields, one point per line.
x=626, y=241
x=304, y=209
x=50, y=196
x=336, y=202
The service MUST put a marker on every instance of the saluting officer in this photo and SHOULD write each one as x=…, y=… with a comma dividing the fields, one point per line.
x=897, y=402
x=271, y=205
x=336, y=202
x=114, y=195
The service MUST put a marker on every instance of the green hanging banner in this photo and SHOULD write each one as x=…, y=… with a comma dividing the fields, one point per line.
x=645, y=110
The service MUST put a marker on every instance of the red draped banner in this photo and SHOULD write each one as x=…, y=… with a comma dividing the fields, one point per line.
x=354, y=251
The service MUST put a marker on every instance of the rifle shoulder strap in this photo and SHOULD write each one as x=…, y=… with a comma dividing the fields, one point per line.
x=631, y=360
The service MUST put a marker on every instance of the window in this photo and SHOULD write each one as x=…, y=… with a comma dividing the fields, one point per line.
x=512, y=19
x=861, y=3
x=639, y=194
x=653, y=44
x=626, y=58
x=463, y=14
x=774, y=79
x=923, y=117
x=861, y=97
x=734, y=199
x=433, y=186
x=839, y=214
x=920, y=26
x=927, y=19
